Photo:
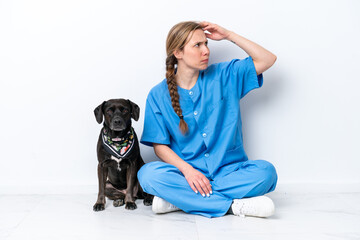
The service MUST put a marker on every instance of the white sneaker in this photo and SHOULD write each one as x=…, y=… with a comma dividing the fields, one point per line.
x=261, y=206
x=159, y=205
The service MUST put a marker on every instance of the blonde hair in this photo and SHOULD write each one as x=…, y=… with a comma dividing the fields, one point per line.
x=176, y=40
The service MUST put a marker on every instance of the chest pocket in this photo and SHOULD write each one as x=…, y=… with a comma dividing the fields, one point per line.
x=218, y=103
x=222, y=113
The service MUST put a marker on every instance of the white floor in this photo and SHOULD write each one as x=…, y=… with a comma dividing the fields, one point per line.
x=299, y=215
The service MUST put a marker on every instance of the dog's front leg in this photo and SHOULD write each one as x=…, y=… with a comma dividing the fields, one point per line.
x=130, y=179
x=102, y=176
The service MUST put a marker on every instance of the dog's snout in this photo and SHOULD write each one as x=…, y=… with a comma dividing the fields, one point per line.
x=117, y=124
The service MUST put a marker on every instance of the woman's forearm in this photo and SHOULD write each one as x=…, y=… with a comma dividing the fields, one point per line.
x=263, y=59
x=197, y=181
x=169, y=156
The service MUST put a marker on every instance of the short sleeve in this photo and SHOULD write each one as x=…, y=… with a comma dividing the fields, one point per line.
x=155, y=130
x=240, y=75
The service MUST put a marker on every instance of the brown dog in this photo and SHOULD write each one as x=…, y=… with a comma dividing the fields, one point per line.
x=119, y=155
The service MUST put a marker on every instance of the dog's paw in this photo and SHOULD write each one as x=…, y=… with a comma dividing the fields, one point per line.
x=99, y=207
x=148, y=201
x=118, y=202
x=130, y=206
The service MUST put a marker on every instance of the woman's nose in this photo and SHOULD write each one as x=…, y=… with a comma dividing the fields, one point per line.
x=206, y=51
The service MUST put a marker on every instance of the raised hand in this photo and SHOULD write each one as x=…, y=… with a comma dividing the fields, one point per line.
x=216, y=32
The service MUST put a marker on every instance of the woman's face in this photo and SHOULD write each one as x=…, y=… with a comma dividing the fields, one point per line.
x=195, y=54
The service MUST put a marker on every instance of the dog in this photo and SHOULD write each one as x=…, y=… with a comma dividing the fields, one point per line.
x=118, y=155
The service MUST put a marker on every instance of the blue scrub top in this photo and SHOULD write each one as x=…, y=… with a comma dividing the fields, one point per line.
x=211, y=109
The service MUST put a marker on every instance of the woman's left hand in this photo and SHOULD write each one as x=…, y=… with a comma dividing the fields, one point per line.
x=215, y=31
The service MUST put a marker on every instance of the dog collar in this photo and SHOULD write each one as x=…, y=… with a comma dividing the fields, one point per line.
x=118, y=147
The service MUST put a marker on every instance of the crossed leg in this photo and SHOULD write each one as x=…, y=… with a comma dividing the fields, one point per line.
x=252, y=178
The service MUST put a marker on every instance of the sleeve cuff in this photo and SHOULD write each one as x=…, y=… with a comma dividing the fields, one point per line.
x=149, y=142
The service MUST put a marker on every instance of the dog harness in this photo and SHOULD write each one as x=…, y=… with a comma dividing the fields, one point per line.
x=118, y=147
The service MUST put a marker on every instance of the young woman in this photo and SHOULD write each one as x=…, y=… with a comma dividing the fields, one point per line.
x=192, y=119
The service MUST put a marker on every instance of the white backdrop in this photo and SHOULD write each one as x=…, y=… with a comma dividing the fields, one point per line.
x=61, y=59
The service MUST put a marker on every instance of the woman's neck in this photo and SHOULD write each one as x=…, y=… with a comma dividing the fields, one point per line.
x=186, y=77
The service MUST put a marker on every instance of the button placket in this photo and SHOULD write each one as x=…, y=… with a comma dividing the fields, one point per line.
x=205, y=136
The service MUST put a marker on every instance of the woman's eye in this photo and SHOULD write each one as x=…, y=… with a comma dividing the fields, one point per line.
x=197, y=45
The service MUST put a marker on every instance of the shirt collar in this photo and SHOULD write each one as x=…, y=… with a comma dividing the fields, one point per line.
x=194, y=93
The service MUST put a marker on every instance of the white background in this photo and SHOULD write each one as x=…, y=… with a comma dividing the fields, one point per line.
x=60, y=59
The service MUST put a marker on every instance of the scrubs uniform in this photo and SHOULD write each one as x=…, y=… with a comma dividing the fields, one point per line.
x=213, y=144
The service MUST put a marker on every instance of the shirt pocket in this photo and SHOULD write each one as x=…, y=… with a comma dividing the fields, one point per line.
x=222, y=113
x=216, y=103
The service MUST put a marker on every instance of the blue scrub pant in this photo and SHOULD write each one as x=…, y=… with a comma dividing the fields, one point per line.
x=250, y=179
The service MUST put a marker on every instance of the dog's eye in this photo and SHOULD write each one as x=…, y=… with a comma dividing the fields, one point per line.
x=125, y=111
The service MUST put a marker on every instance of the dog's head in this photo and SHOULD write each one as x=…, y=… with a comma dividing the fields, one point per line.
x=117, y=113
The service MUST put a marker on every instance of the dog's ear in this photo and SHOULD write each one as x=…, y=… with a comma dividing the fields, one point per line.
x=99, y=112
x=135, y=110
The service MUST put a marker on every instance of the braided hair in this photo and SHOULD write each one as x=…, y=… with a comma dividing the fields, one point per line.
x=176, y=40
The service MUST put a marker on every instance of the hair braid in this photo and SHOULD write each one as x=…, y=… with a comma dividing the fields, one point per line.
x=176, y=40
x=170, y=77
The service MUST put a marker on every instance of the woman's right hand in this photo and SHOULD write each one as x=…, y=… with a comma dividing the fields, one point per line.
x=198, y=182
x=216, y=32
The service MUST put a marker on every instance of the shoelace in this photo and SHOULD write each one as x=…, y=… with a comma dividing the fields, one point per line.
x=244, y=209
x=172, y=206
x=241, y=214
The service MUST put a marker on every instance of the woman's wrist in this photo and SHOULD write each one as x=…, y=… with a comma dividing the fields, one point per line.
x=230, y=36
x=185, y=169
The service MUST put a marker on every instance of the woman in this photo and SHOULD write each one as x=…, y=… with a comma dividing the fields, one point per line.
x=192, y=119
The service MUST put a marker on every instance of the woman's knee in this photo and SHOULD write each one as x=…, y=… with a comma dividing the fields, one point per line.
x=146, y=172
x=268, y=173
x=152, y=172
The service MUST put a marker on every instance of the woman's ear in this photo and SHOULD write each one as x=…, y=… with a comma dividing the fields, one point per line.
x=178, y=54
